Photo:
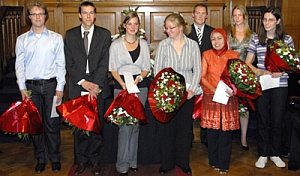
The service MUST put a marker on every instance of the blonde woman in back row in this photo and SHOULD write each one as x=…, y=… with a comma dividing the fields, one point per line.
x=239, y=38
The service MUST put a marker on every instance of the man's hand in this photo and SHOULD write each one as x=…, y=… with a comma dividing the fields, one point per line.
x=92, y=88
x=59, y=95
x=24, y=94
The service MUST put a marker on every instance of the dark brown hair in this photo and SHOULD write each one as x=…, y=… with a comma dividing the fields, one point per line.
x=279, y=31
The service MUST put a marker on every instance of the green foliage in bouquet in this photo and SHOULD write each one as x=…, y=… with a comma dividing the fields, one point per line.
x=242, y=76
x=168, y=92
x=288, y=53
x=120, y=117
x=74, y=128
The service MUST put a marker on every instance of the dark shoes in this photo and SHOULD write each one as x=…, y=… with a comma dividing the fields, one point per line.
x=56, y=166
x=285, y=155
x=164, y=171
x=124, y=174
x=39, y=168
x=134, y=169
x=80, y=169
x=187, y=171
x=245, y=148
x=96, y=169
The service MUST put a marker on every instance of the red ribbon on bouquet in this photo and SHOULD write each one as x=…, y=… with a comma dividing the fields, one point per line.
x=243, y=97
x=276, y=63
x=81, y=113
x=159, y=113
x=131, y=103
x=22, y=117
x=197, y=107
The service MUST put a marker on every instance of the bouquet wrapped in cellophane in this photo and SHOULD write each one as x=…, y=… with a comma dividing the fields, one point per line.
x=22, y=118
x=166, y=94
x=243, y=81
x=126, y=109
x=281, y=57
x=81, y=114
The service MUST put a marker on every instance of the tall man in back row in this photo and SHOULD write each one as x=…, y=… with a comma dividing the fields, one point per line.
x=201, y=34
x=87, y=53
x=40, y=67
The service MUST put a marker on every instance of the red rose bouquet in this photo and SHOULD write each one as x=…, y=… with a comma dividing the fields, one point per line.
x=166, y=94
x=81, y=114
x=243, y=82
x=281, y=57
x=126, y=109
x=22, y=118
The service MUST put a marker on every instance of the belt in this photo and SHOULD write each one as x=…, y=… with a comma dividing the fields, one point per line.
x=40, y=81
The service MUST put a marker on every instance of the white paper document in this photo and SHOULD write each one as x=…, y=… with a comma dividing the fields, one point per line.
x=131, y=88
x=220, y=95
x=84, y=93
x=267, y=82
x=53, y=111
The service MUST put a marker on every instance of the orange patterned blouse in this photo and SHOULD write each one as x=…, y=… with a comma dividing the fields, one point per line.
x=212, y=112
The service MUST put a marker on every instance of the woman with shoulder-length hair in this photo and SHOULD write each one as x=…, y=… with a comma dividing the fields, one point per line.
x=129, y=54
x=183, y=56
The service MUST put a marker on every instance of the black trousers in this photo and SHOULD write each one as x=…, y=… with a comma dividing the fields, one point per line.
x=175, y=138
x=271, y=108
x=294, y=158
x=42, y=97
x=219, y=147
x=90, y=148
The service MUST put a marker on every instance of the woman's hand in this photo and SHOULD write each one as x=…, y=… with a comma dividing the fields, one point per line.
x=260, y=72
x=277, y=74
x=229, y=93
x=190, y=94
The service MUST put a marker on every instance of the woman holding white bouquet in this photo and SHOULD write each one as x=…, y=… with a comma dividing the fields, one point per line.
x=183, y=56
x=129, y=54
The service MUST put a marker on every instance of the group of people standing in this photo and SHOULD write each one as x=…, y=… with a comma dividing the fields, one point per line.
x=198, y=52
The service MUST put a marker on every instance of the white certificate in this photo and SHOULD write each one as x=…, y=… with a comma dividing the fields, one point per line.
x=220, y=95
x=130, y=86
x=267, y=82
x=53, y=111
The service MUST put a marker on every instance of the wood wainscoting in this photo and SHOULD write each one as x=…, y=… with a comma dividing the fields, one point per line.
x=64, y=15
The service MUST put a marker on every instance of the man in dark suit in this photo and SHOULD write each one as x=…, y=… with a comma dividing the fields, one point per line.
x=87, y=66
x=201, y=33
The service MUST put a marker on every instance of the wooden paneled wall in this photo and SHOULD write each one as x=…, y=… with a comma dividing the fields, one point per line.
x=64, y=15
x=65, y=10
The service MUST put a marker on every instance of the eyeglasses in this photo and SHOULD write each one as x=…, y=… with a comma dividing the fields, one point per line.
x=37, y=14
x=171, y=28
x=268, y=20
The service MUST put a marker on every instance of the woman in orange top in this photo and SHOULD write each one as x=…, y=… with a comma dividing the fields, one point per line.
x=220, y=120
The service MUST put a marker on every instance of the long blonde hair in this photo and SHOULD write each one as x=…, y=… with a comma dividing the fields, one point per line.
x=247, y=31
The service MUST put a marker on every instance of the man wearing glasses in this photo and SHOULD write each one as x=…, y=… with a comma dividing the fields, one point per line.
x=40, y=67
x=86, y=50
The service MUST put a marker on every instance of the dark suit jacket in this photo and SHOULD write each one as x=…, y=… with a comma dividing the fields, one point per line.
x=76, y=59
x=205, y=44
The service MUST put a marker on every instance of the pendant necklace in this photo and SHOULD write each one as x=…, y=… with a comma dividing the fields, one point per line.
x=130, y=42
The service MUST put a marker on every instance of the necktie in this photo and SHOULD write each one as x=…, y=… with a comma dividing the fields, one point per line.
x=199, y=35
x=85, y=41
x=86, y=44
